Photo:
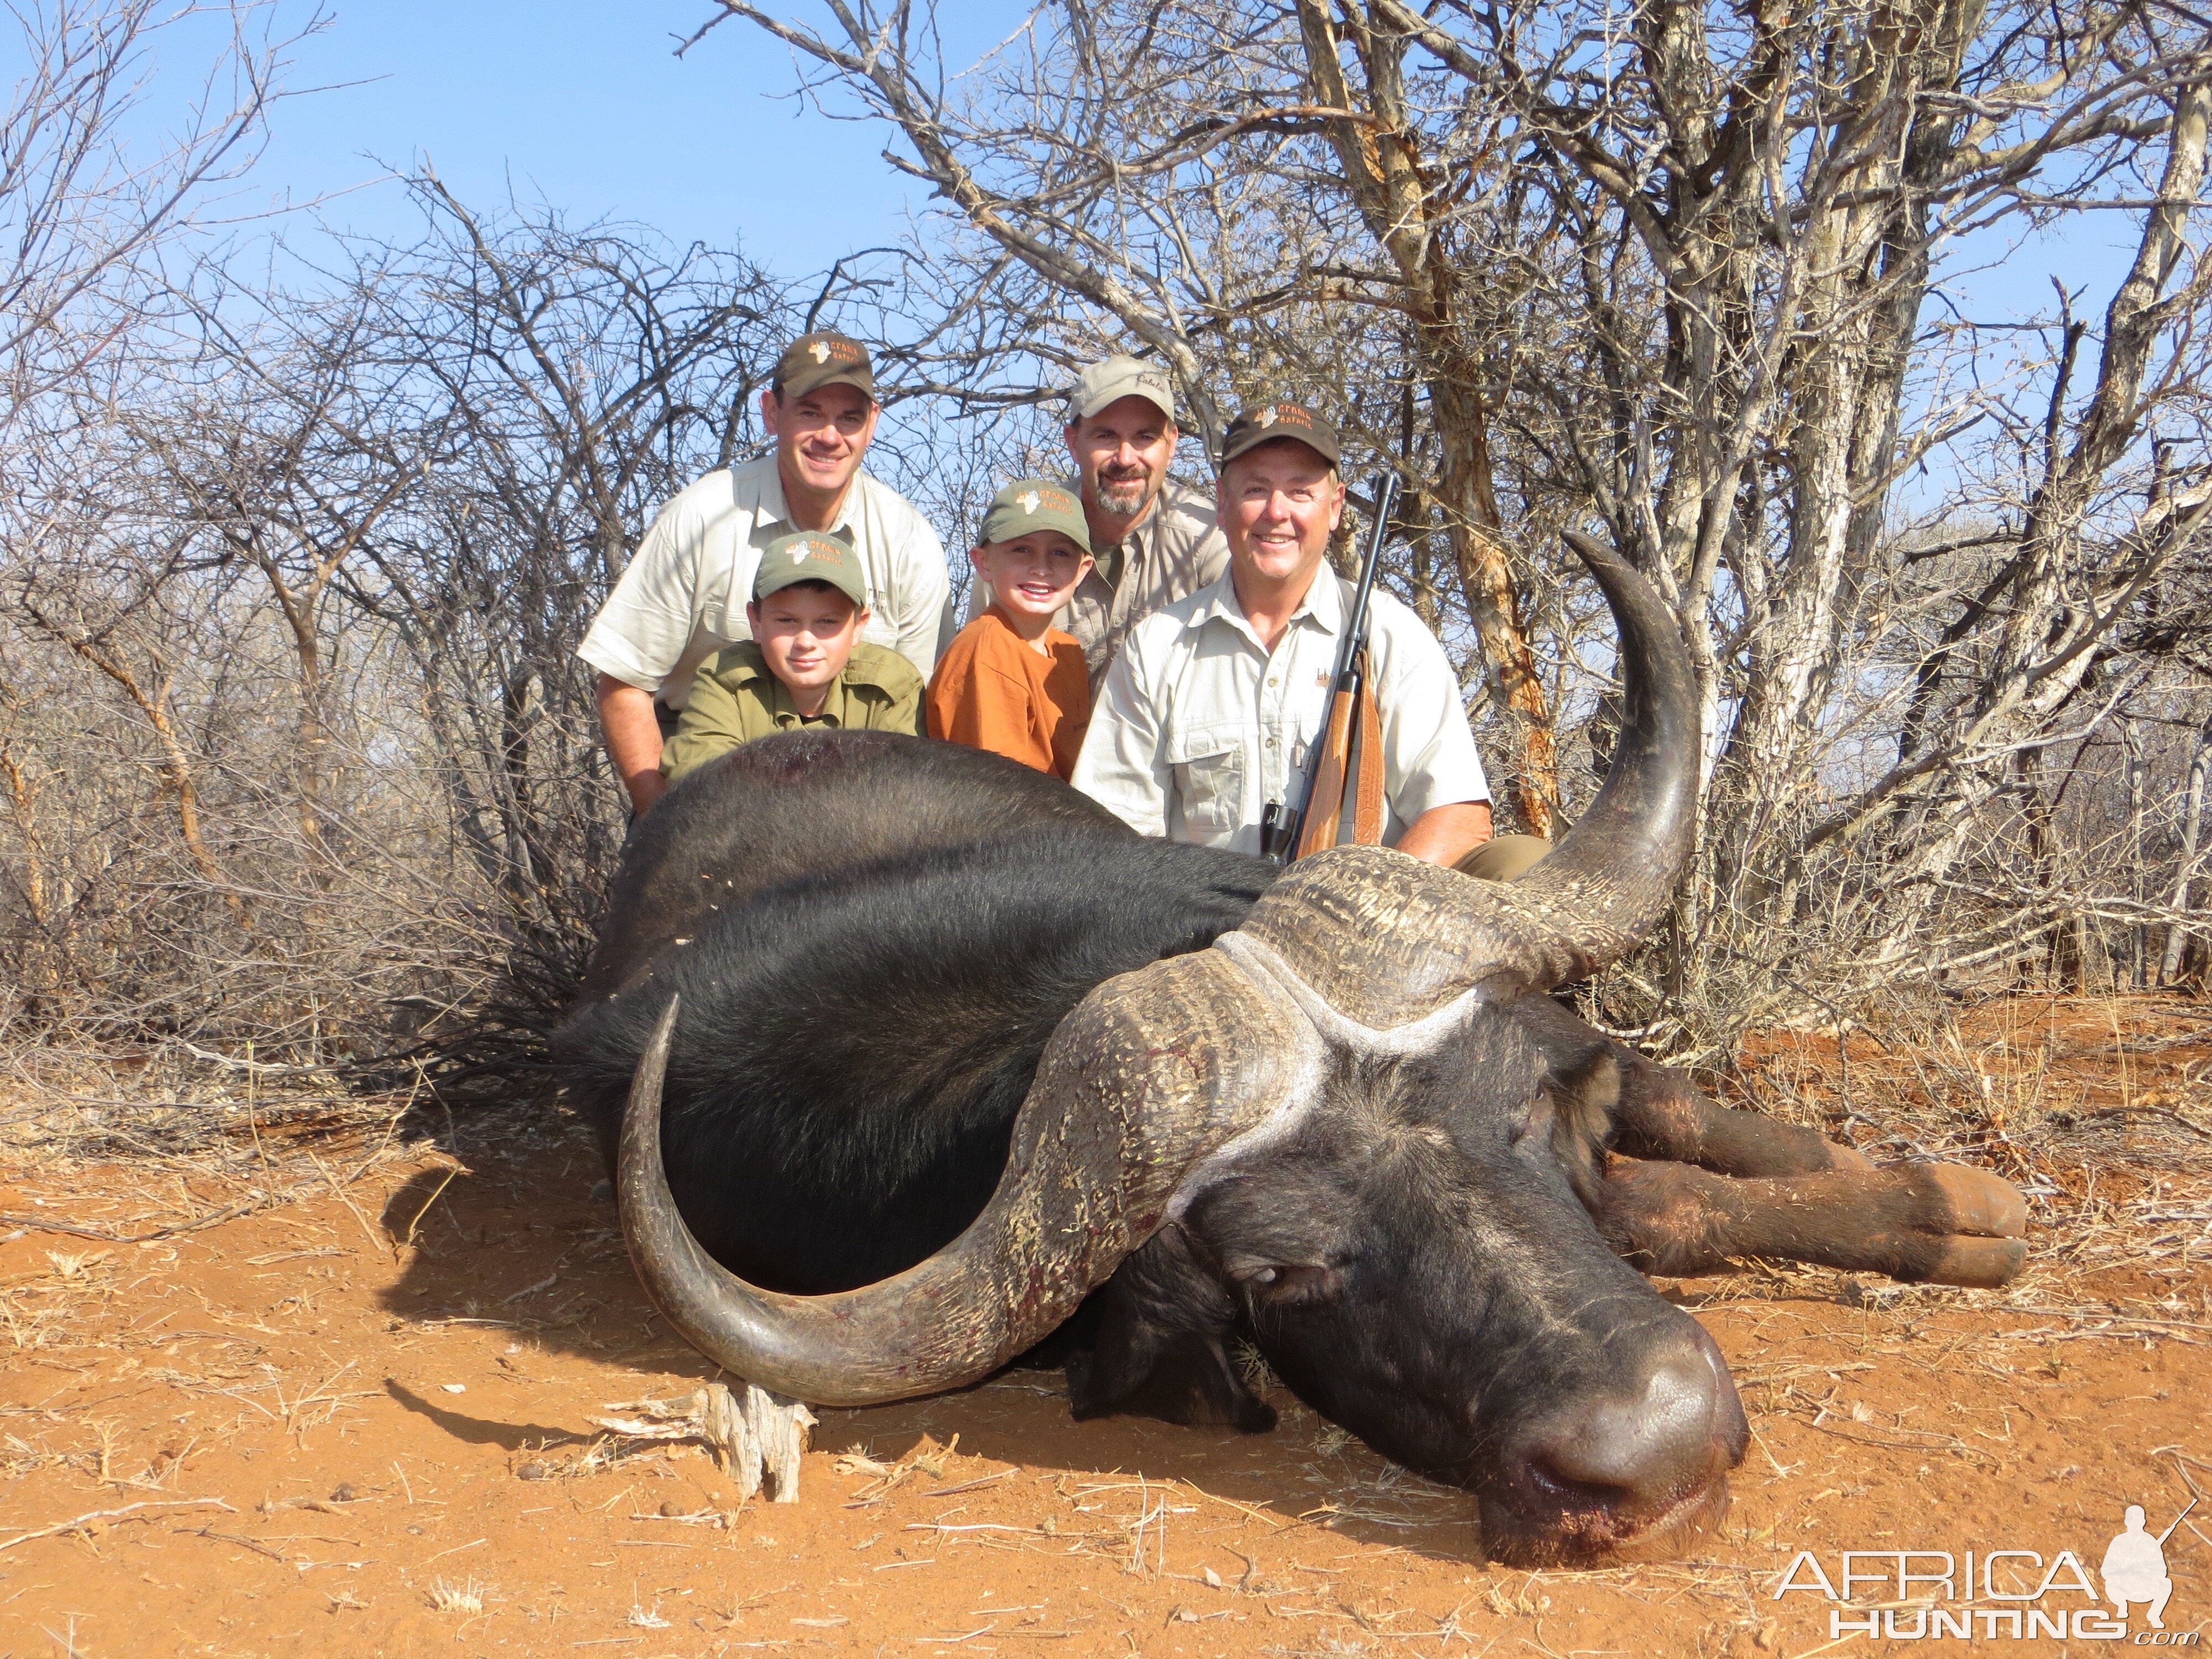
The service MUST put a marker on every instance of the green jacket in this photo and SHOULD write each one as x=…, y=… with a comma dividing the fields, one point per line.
x=735, y=699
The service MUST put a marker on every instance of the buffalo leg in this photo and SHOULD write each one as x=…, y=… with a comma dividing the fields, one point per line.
x=1940, y=1223
x=1661, y=1115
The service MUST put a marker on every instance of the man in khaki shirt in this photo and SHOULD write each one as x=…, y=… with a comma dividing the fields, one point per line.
x=1205, y=715
x=682, y=599
x=1154, y=540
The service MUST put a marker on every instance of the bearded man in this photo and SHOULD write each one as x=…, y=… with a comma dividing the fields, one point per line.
x=1154, y=540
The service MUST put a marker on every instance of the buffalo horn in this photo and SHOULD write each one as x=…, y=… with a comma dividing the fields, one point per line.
x=1604, y=886
x=1384, y=940
x=1153, y=1072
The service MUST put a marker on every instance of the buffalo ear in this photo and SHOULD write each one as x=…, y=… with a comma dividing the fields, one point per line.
x=1158, y=1335
x=1582, y=1082
x=1584, y=1088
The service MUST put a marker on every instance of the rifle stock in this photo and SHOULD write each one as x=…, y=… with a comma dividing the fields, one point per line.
x=1292, y=830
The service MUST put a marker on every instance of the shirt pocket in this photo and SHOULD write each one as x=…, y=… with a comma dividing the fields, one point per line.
x=1207, y=765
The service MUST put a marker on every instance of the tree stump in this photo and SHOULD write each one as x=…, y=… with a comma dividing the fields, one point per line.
x=756, y=1437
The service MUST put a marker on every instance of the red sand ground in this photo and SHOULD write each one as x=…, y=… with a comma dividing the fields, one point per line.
x=311, y=1430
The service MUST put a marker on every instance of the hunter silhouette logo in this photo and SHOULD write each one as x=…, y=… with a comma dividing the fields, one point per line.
x=1997, y=1595
x=2134, y=1568
x=819, y=351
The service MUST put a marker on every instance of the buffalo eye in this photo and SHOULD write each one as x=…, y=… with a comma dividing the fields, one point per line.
x=1279, y=1281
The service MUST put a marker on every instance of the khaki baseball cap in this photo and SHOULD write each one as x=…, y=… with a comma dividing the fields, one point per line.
x=1029, y=504
x=1265, y=423
x=824, y=357
x=811, y=556
x=1115, y=378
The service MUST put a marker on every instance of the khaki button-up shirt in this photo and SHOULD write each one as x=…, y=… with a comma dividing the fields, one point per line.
x=1199, y=725
x=735, y=699
x=682, y=596
x=1172, y=552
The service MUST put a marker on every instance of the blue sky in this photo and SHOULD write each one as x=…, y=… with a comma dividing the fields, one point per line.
x=582, y=103
x=585, y=106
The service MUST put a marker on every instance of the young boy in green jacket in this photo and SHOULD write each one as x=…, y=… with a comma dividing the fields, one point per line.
x=805, y=664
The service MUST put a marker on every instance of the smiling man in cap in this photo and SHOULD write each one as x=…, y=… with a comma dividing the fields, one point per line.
x=682, y=596
x=1205, y=715
x=1153, y=539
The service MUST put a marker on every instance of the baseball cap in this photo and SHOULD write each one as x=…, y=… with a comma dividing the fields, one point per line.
x=824, y=357
x=1029, y=504
x=1265, y=423
x=811, y=556
x=1113, y=379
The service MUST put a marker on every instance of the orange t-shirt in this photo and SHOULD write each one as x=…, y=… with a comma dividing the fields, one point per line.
x=993, y=691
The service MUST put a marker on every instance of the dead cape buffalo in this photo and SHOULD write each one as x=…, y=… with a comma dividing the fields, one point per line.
x=903, y=1053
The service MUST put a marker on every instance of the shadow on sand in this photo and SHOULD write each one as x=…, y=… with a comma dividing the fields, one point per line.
x=517, y=1240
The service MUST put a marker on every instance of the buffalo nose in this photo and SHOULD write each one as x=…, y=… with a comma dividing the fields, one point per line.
x=1614, y=1463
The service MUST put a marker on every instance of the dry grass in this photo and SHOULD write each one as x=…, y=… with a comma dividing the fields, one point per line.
x=2005, y=1075
x=466, y=1597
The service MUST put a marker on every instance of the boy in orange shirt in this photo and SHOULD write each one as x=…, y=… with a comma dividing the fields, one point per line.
x=1011, y=682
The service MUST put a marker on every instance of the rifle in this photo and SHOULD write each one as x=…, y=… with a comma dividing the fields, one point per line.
x=1284, y=832
x=2178, y=1520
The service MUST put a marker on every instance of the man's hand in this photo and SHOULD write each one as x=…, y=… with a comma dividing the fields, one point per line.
x=1444, y=835
x=633, y=739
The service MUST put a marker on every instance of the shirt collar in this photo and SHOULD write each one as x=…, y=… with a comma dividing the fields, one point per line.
x=750, y=665
x=752, y=668
x=779, y=510
x=858, y=671
x=1324, y=600
x=1321, y=608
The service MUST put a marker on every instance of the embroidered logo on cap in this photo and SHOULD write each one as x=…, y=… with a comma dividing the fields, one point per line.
x=1265, y=418
x=1029, y=500
x=819, y=351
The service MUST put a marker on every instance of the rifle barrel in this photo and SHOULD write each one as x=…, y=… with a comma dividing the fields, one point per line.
x=2178, y=1520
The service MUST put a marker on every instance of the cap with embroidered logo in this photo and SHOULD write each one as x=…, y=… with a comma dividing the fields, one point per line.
x=824, y=357
x=1029, y=504
x=1265, y=423
x=1111, y=379
x=811, y=556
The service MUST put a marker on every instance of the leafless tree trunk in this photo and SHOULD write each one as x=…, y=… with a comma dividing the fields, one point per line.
x=2177, y=935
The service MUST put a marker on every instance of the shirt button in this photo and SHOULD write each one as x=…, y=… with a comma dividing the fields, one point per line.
x=1271, y=679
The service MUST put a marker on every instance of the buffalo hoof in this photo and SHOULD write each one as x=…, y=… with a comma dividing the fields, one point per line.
x=1978, y=1224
